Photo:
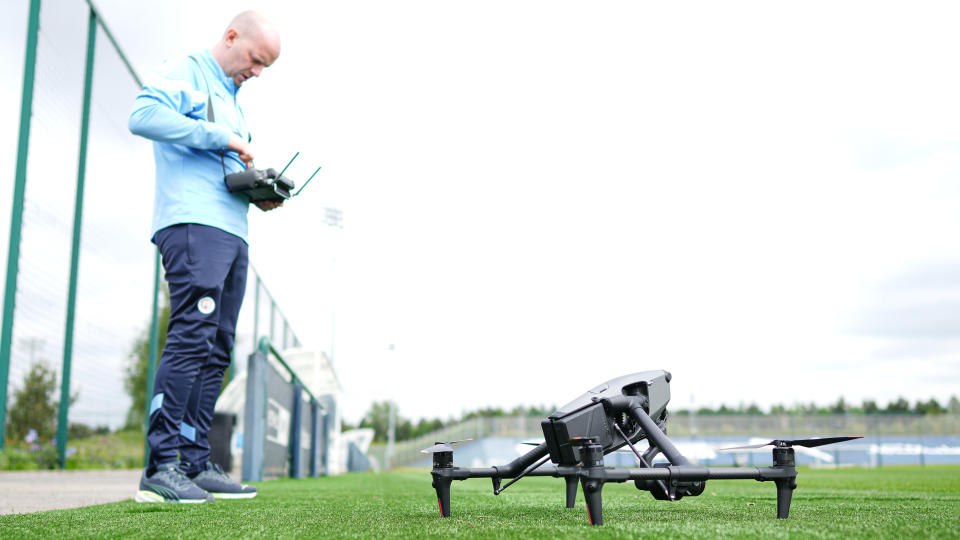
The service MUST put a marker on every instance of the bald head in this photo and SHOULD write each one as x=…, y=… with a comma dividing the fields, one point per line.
x=248, y=45
x=253, y=25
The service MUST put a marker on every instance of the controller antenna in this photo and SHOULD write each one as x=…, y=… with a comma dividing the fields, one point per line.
x=308, y=181
x=288, y=165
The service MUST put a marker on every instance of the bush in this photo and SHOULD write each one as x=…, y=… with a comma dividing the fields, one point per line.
x=82, y=431
x=121, y=450
x=29, y=458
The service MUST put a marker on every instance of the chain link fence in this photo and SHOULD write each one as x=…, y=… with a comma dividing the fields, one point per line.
x=79, y=268
x=878, y=430
x=82, y=277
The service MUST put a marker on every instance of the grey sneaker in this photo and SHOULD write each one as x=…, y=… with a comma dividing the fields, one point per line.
x=169, y=484
x=214, y=480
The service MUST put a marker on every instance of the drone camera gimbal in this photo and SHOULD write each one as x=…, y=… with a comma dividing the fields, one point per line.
x=620, y=412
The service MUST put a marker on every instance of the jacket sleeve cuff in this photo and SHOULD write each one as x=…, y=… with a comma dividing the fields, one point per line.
x=220, y=136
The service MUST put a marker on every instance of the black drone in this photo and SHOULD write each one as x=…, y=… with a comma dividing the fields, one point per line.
x=618, y=413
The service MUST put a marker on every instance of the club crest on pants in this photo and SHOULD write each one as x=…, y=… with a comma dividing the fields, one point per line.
x=206, y=305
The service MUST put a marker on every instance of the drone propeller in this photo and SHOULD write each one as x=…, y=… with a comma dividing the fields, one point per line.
x=807, y=443
x=442, y=446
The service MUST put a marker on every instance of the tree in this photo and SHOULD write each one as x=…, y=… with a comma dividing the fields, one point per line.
x=953, y=406
x=82, y=431
x=839, y=407
x=34, y=406
x=135, y=378
x=403, y=430
x=899, y=406
x=753, y=408
x=378, y=418
x=486, y=412
x=928, y=407
x=532, y=410
x=425, y=426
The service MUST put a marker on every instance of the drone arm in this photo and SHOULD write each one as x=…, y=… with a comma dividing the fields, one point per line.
x=634, y=406
x=654, y=434
x=520, y=464
x=510, y=470
x=783, y=474
x=735, y=473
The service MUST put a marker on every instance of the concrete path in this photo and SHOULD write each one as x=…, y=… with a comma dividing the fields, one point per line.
x=34, y=491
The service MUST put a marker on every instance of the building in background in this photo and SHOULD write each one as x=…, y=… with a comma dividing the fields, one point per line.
x=345, y=452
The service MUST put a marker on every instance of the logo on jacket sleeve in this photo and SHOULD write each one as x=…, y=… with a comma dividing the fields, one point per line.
x=206, y=305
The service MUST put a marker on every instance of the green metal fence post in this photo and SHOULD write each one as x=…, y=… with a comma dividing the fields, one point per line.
x=16, y=215
x=876, y=426
x=233, y=363
x=314, y=438
x=923, y=458
x=62, y=417
x=256, y=312
x=296, y=429
x=255, y=413
x=273, y=312
x=152, y=356
x=116, y=46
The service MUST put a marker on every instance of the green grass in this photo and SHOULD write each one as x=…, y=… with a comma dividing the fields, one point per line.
x=892, y=502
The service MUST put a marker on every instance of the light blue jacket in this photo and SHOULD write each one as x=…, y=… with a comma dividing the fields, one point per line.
x=189, y=150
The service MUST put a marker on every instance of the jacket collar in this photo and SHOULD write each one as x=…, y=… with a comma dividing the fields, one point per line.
x=211, y=65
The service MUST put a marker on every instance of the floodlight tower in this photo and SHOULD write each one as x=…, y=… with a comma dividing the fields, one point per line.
x=333, y=217
x=391, y=419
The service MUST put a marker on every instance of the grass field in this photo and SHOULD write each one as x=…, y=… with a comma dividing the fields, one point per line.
x=892, y=502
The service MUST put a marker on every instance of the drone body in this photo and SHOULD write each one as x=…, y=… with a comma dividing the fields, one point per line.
x=619, y=412
x=586, y=417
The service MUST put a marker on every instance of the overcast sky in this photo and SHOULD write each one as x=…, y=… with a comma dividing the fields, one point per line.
x=538, y=196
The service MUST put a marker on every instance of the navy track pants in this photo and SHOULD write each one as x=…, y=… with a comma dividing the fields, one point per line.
x=206, y=269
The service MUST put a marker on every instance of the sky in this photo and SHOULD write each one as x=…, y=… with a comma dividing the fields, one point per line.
x=761, y=198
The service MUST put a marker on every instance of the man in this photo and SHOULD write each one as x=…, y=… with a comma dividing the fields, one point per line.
x=191, y=113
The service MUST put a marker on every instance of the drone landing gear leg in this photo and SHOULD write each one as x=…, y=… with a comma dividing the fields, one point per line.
x=593, y=476
x=572, y=482
x=592, y=488
x=442, y=463
x=442, y=485
x=784, y=459
x=785, y=489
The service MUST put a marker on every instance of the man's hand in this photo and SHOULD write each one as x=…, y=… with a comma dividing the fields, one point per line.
x=241, y=147
x=267, y=206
